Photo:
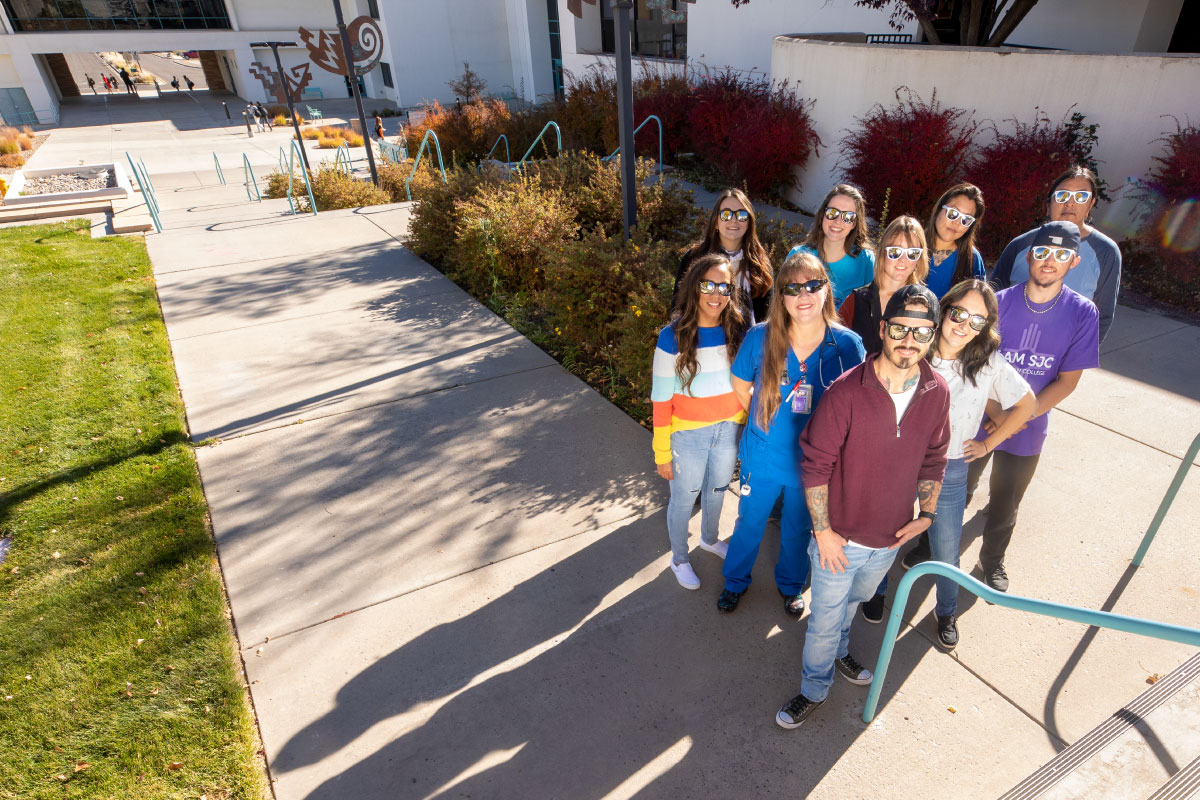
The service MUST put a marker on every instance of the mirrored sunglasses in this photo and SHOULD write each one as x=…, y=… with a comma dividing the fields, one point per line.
x=952, y=213
x=812, y=287
x=911, y=253
x=723, y=289
x=1062, y=196
x=741, y=215
x=960, y=314
x=1061, y=254
x=922, y=333
x=848, y=217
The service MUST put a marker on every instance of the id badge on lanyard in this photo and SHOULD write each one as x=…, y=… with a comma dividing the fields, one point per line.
x=801, y=395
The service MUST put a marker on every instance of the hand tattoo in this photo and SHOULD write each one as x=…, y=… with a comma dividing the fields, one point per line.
x=818, y=507
x=927, y=494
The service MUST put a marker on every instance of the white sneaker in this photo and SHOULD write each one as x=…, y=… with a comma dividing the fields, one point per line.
x=719, y=547
x=686, y=576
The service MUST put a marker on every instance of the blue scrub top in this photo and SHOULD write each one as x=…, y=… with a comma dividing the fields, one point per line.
x=775, y=455
x=941, y=277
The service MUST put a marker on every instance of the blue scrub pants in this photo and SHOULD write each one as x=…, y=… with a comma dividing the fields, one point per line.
x=757, y=500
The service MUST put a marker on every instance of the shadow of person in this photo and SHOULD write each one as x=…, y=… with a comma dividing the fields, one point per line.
x=654, y=693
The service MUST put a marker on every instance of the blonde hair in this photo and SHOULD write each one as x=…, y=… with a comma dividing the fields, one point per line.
x=904, y=226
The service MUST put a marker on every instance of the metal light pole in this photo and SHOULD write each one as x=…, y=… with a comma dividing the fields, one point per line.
x=621, y=9
x=287, y=93
x=348, y=53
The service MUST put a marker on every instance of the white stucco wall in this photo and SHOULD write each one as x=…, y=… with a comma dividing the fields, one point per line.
x=8, y=73
x=1125, y=94
x=1099, y=26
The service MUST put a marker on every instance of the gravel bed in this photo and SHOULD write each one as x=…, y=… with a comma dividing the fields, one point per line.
x=70, y=182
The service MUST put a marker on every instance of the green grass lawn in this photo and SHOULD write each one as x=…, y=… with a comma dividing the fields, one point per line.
x=119, y=674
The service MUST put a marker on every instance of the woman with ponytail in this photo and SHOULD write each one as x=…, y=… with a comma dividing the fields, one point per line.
x=782, y=368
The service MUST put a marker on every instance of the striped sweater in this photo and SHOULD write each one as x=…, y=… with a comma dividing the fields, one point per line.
x=709, y=399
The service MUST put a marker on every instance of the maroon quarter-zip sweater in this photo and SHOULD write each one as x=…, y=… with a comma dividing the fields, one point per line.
x=871, y=461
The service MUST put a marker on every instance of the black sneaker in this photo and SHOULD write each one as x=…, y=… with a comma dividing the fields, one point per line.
x=996, y=578
x=853, y=671
x=796, y=711
x=947, y=638
x=872, y=610
x=919, y=554
x=728, y=601
x=793, y=603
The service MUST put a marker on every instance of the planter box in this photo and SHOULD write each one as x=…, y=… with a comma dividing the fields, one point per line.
x=14, y=197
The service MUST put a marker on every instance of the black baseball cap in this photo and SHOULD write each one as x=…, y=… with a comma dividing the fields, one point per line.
x=1057, y=234
x=905, y=295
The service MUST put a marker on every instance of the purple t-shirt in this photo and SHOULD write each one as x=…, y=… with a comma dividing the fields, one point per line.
x=1063, y=337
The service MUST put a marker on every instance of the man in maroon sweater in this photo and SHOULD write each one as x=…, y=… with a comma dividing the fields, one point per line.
x=878, y=438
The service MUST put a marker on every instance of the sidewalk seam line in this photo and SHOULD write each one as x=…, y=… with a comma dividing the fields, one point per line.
x=1181, y=325
x=1122, y=435
x=381, y=403
x=650, y=511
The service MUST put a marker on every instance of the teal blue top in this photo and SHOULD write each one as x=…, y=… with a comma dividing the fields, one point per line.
x=847, y=273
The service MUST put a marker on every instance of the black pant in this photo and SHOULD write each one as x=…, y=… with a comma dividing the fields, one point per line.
x=1010, y=478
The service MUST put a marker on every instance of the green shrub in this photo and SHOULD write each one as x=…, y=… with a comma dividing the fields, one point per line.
x=431, y=230
x=12, y=161
x=9, y=147
x=334, y=189
x=277, y=186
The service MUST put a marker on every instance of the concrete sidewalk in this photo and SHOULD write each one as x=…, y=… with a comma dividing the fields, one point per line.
x=447, y=557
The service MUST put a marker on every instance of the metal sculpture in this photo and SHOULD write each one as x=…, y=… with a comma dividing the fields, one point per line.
x=300, y=77
x=325, y=49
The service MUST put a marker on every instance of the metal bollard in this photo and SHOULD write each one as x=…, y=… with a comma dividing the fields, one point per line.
x=226, y=107
x=249, y=130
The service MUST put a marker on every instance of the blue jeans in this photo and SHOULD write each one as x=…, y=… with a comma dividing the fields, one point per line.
x=795, y=532
x=945, y=534
x=835, y=598
x=703, y=465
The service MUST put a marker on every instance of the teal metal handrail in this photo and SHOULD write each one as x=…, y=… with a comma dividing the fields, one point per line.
x=147, y=189
x=654, y=117
x=283, y=160
x=507, y=155
x=248, y=176
x=395, y=153
x=293, y=152
x=341, y=160
x=417, y=163
x=1100, y=619
x=1167, y=500
x=546, y=127
x=220, y=172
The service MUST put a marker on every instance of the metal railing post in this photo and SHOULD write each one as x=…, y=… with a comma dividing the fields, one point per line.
x=420, y=152
x=248, y=174
x=546, y=127
x=220, y=172
x=654, y=117
x=1100, y=619
x=147, y=192
x=1167, y=500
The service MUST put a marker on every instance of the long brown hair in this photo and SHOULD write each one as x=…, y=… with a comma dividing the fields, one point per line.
x=975, y=353
x=963, y=267
x=798, y=268
x=909, y=227
x=755, y=260
x=687, y=318
x=859, y=238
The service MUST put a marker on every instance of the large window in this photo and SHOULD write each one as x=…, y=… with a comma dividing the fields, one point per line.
x=105, y=15
x=652, y=35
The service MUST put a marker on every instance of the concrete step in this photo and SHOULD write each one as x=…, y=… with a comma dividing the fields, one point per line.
x=1149, y=748
x=53, y=212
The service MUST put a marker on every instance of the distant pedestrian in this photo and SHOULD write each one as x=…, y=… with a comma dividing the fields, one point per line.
x=264, y=115
x=188, y=81
x=107, y=85
x=91, y=82
x=175, y=83
x=878, y=437
x=253, y=115
x=112, y=79
x=379, y=128
x=128, y=81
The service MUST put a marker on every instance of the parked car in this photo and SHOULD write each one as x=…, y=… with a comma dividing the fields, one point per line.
x=191, y=54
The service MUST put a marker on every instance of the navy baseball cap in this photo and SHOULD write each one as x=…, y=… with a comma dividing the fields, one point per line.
x=905, y=295
x=1057, y=234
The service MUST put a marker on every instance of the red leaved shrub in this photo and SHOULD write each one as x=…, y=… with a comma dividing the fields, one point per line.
x=1015, y=171
x=752, y=134
x=668, y=97
x=915, y=149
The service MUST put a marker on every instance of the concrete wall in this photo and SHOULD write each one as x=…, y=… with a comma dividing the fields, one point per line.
x=257, y=15
x=8, y=73
x=1100, y=26
x=1125, y=94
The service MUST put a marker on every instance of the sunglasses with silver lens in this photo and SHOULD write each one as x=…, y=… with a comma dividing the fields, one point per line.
x=952, y=213
x=741, y=215
x=1061, y=196
x=911, y=253
x=812, y=287
x=960, y=314
x=922, y=333
x=848, y=217
x=723, y=289
x=1061, y=254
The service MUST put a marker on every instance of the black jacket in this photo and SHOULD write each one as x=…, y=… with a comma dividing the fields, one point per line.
x=759, y=304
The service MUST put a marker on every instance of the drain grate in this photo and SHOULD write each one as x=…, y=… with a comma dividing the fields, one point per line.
x=1183, y=784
